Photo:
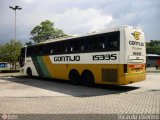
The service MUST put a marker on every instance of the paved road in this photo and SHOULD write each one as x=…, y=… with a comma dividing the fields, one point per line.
x=151, y=83
x=24, y=96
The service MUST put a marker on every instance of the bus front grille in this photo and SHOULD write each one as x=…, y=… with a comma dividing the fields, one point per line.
x=110, y=75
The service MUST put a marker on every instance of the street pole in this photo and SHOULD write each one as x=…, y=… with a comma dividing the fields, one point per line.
x=15, y=25
x=15, y=8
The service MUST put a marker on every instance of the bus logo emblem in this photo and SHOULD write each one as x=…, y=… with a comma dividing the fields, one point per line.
x=136, y=35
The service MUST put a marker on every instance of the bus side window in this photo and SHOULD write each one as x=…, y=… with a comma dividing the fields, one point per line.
x=38, y=50
x=42, y=50
x=60, y=47
x=66, y=49
x=51, y=52
x=96, y=43
x=76, y=46
x=50, y=49
x=53, y=48
x=71, y=48
x=112, y=41
x=46, y=49
x=92, y=43
x=82, y=47
x=102, y=45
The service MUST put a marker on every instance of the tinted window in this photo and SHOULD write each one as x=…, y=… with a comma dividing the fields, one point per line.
x=76, y=45
x=112, y=41
x=46, y=49
x=58, y=47
x=103, y=42
x=34, y=50
x=95, y=43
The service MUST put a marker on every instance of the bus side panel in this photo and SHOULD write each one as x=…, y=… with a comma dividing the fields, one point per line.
x=99, y=71
x=42, y=66
x=58, y=71
x=61, y=71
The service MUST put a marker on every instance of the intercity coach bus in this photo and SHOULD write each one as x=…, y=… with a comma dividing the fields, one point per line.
x=114, y=56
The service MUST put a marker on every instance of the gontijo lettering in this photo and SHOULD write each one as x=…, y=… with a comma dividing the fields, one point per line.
x=67, y=58
x=136, y=43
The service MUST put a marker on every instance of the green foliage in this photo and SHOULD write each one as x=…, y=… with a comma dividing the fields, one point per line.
x=10, y=51
x=154, y=43
x=45, y=31
x=153, y=47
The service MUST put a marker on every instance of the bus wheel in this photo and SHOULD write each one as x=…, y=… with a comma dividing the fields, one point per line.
x=88, y=79
x=29, y=72
x=74, y=77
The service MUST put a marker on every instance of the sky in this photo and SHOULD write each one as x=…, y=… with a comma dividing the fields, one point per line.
x=79, y=16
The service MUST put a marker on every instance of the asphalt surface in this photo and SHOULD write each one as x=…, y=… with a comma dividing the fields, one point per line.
x=21, y=95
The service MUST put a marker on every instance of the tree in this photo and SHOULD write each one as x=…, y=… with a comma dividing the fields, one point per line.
x=1, y=53
x=154, y=43
x=10, y=52
x=153, y=47
x=45, y=31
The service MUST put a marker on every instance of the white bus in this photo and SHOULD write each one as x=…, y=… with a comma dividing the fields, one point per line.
x=114, y=56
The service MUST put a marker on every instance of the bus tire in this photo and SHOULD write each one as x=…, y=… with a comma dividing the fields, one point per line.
x=74, y=77
x=29, y=72
x=88, y=78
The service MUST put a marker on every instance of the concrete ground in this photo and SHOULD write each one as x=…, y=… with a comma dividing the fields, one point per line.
x=21, y=95
x=152, y=69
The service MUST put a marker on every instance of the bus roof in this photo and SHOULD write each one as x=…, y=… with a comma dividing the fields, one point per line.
x=153, y=55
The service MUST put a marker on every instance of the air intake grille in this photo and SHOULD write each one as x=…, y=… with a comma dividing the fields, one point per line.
x=110, y=75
